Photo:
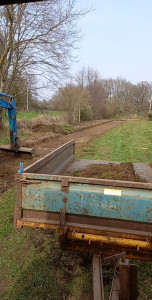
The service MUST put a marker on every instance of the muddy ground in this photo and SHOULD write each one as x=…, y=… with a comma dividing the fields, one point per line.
x=9, y=162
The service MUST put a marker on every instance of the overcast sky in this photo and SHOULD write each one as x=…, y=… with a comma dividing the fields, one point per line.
x=117, y=39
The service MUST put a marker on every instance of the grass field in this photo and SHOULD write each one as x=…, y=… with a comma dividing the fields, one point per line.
x=32, y=114
x=33, y=267
x=130, y=142
x=31, y=264
x=5, y=139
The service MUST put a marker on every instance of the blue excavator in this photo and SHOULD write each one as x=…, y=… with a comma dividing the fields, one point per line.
x=8, y=102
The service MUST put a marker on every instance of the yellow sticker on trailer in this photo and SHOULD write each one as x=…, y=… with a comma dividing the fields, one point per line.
x=112, y=192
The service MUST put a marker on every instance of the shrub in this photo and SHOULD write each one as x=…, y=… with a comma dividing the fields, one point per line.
x=150, y=116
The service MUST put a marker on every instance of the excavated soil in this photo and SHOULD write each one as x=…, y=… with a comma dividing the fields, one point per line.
x=46, y=128
x=122, y=171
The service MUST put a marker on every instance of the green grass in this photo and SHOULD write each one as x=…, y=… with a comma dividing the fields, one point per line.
x=67, y=127
x=33, y=267
x=6, y=216
x=32, y=114
x=130, y=142
x=4, y=138
x=29, y=115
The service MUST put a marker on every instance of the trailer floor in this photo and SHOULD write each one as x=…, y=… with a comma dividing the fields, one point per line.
x=135, y=172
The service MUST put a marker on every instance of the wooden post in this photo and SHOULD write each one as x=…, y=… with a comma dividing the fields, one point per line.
x=133, y=282
x=128, y=281
x=114, y=294
x=98, y=290
x=124, y=280
x=27, y=100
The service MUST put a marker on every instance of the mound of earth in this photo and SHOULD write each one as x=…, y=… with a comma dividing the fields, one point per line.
x=122, y=171
x=47, y=128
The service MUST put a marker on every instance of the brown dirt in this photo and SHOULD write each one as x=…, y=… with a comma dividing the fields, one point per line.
x=6, y=178
x=122, y=171
x=5, y=172
x=9, y=162
x=47, y=128
x=9, y=165
x=44, y=144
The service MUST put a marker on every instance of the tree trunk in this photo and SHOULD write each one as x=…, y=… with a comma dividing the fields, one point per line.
x=1, y=119
x=1, y=111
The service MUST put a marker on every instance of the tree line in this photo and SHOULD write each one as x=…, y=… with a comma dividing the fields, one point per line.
x=91, y=97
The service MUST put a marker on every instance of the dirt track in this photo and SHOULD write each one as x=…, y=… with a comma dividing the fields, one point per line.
x=80, y=137
x=9, y=163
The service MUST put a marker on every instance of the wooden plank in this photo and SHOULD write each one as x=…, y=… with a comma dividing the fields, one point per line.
x=124, y=280
x=114, y=295
x=98, y=290
x=133, y=282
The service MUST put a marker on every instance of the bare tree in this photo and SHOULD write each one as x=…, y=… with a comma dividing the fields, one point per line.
x=75, y=101
x=37, y=39
x=141, y=94
x=90, y=80
x=119, y=93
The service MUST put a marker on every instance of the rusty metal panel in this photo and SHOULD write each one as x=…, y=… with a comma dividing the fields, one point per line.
x=93, y=224
x=54, y=162
x=112, y=183
x=47, y=194
x=108, y=250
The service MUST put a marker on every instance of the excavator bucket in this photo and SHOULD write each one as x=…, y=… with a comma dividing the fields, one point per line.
x=23, y=150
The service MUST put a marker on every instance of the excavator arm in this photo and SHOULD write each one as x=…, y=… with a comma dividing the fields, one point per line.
x=8, y=102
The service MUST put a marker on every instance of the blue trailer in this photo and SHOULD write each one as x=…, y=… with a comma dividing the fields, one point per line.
x=110, y=219
x=90, y=215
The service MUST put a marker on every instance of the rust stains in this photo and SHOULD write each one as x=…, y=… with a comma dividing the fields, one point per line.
x=65, y=200
x=85, y=211
x=65, y=185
